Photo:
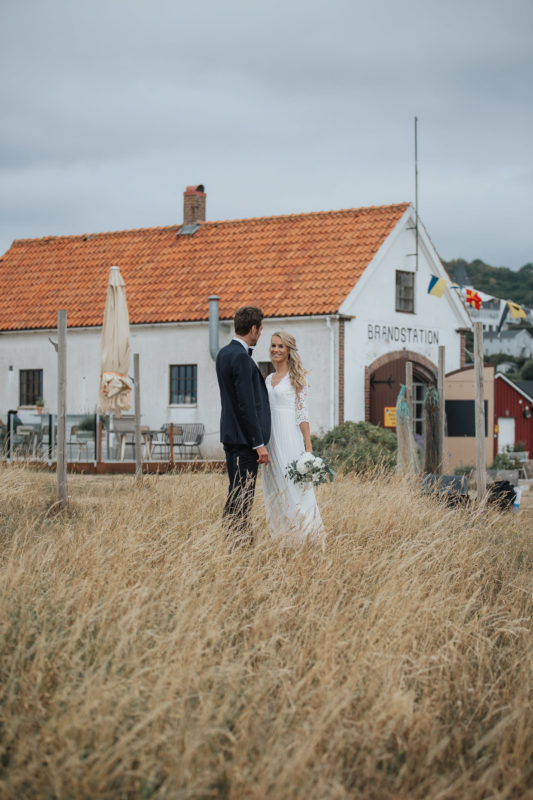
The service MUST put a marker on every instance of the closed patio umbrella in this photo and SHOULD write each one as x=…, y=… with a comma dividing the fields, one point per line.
x=114, y=394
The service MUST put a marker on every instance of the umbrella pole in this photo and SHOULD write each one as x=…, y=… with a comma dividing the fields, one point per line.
x=137, y=389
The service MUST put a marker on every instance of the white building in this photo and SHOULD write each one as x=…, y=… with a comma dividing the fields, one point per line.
x=516, y=342
x=345, y=283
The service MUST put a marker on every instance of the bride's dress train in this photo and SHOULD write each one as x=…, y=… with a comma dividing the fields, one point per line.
x=291, y=509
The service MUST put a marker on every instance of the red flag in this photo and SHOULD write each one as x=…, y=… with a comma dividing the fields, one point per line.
x=473, y=299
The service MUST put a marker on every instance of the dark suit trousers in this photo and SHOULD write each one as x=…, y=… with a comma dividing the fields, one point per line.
x=242, y=473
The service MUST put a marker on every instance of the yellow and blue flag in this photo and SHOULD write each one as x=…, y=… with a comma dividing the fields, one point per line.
x=437, y=286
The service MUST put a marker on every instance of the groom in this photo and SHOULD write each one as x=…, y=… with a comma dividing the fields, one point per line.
x=244, y=420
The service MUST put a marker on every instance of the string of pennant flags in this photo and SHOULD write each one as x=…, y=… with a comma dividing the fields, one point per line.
x=474, y=298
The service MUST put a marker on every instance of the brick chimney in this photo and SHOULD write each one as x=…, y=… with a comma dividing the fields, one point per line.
x=194, y=204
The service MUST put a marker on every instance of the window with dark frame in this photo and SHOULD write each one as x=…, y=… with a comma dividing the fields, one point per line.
x=265, y=368
x=30, y=386
x=419, y=395
x=405, y=291
x=183, y=384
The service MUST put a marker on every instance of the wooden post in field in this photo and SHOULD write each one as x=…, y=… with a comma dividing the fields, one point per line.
x=409, y=391
x=481, y=474
x=171, y=444
x=137, y=390
x=99, y=435
x=442, y=416
x=61, y=407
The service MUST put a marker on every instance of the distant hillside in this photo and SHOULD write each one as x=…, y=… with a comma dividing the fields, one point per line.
x=497, y=281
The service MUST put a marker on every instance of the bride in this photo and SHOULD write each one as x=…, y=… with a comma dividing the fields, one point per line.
x=291, y=509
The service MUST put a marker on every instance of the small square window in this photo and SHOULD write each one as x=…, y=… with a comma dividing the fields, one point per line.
x=30, y=386
x=405, y=291
x=183, y=384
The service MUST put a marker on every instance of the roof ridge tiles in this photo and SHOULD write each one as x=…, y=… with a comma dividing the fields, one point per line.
x=163, y=228
x=307, y=214
x=85, y=236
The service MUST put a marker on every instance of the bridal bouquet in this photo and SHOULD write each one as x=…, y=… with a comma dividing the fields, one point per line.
x=309, y=469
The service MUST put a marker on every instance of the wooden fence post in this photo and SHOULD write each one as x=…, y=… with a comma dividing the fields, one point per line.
x=481, y=473
x=137, y=391
x=100, y=426
x=441, y=387
x=171, y=443
x=61, y=407
x=409, y=391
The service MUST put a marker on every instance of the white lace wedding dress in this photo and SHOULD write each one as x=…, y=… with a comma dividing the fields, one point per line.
x=291, y=509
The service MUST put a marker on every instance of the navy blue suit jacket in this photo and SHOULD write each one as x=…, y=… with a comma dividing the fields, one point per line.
x=245, y=415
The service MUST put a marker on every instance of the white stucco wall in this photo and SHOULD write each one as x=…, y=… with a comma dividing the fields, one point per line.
x=159, y=346
x=377, y=328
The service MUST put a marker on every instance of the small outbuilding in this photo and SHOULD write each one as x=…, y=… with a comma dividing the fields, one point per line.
x=460, y=444
x=513, y=414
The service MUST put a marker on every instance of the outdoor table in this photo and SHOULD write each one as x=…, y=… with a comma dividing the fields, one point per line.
x=29, y=437
x=148, y=438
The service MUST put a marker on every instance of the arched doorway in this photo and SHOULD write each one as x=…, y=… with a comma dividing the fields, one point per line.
x=386, y=375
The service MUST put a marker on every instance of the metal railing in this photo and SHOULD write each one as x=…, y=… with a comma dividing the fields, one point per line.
x=32, y=437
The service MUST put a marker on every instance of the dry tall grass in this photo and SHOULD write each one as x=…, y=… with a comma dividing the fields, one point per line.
x=141, y=659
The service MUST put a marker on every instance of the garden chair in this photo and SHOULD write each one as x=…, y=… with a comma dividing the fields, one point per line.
x=193, y=436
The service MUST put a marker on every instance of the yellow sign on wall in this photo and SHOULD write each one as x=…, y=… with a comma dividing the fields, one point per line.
x=390, y=416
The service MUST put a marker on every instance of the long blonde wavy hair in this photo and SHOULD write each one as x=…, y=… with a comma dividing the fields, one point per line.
x=297, y=372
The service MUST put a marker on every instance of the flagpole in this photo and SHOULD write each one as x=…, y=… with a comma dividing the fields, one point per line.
x=416, y=194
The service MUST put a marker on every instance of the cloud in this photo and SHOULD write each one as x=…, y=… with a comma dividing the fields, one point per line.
x=111, y=108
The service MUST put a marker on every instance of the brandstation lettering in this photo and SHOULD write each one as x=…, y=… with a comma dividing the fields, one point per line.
x=393, y=333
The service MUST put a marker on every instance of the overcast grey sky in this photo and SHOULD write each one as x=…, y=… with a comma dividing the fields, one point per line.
x=111, y=107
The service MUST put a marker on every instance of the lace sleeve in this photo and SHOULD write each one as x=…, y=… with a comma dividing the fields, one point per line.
x=302, y=414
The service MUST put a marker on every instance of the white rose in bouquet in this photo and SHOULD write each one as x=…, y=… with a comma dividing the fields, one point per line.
x=301, y=466
x=305, y=463
x=309, y=469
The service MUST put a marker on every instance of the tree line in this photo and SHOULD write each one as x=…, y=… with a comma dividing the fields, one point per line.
x=508, y=284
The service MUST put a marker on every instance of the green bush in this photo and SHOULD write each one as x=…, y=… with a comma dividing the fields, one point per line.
x=505, y=461
x=465, y=469
x=526, y=373
x=502, y=461
x=357, y=447
x=87, y=423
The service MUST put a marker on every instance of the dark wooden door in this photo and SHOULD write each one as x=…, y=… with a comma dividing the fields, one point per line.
x=385, y=383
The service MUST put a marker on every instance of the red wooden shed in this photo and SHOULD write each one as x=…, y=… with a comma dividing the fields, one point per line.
x=513, y=413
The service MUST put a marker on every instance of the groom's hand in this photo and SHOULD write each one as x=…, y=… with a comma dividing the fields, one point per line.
x=262, y=455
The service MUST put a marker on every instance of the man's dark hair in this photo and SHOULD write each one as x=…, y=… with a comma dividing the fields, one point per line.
x=246, y=318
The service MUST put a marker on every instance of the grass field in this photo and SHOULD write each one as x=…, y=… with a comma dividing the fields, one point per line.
x=140, y=658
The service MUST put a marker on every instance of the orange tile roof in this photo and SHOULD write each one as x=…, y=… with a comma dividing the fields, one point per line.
x=289, y=266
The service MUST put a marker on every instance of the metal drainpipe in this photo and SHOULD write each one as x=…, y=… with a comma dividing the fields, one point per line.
x=213, y=325
x=332, y=373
